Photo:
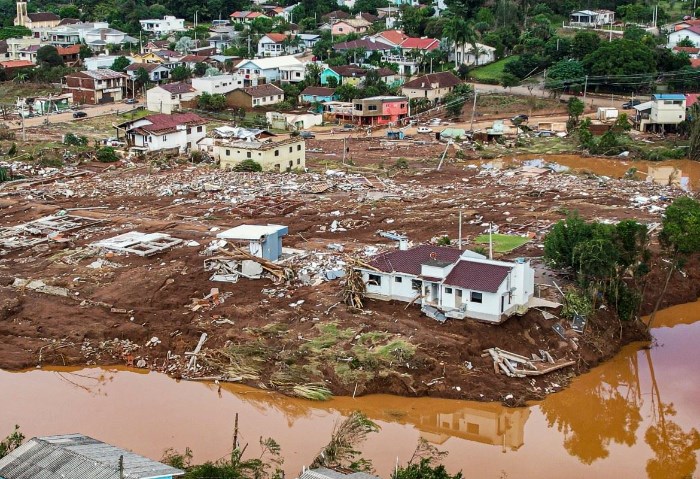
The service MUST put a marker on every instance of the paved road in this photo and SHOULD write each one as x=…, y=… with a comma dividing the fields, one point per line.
x=91, y=110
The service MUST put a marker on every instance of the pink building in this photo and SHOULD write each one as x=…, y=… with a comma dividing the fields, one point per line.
x=379, y=110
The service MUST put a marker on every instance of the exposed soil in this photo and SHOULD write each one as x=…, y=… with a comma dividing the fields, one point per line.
x=117, y=308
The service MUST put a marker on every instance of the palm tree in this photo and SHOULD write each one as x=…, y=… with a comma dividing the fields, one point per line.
x=460, y=32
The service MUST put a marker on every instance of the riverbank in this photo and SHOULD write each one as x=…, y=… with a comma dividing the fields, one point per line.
x=114, y=309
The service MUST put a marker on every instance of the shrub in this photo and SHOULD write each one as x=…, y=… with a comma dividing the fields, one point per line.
x=248, y=165
x=444, y=241
x=401, y=163
x=106, y=155
x=74, y=140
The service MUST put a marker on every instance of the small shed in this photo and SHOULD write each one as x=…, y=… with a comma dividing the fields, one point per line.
x=264, y=241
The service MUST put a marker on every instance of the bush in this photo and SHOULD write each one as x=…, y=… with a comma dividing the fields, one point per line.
x=401, y=163
x=74, y=140
x=106, y=155
x=444, y=241
x=248, y=165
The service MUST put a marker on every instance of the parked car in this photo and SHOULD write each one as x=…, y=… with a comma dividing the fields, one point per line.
x=306, y=135
x=435, y=122
x=131, y=101
x=424, y=129
x=348, y=126
x=631, y=104
x=518, y=119
x=79, y=114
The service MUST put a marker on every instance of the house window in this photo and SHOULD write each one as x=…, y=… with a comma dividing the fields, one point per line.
x=199, y=129
x=189, y=131
x=228, y=152
x=398, y=279
x=277, y=153
x=358, y=106
x=279, y=97
x=290, y=149
x=476, y=297
x=372, y=107
x=165, y=138
x=297, y=74
x=248, y=154
x=375, y=279
x=472, y=428
x=416, y=284
x=298, y=161
x=403, y=105
x=448, y=290
x=298, y=147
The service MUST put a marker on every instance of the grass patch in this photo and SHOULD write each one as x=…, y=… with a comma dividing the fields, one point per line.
x=9, y=91
x=493, y=72
x=503, y=243
x=329, y=336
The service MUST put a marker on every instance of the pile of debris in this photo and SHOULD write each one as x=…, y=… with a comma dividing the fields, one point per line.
x=517, y=366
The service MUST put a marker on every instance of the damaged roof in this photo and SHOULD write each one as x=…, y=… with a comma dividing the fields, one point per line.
x=477, y=276
x=409, y=261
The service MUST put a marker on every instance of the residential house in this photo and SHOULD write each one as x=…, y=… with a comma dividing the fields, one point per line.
x=29, y=53
x=203, y=51
x=253, y=96
x=264, y=241
x=472, y=54
x=96, y=87
x=177, y=131
x=421, y=45
x=220, y=42
x=190, y=61
x=16, y=45
x=101, y=61
x=155, y=45
x=70, y=55
x=335, y=15
x=460, y=284
x=391, y=16
x=293, y=121
x=371, y=18
x=308, y=40
x=317, y=94
x=275, y=44
x=664, y=112
x=350, y=25
x=10, y=67
x=325, y=473
x=75, y=456
x=70, y=34
x=369, y=45
x=591, y=18
x=432, y=87
x=147, y=57
x=156, y=72
x=692, y=52
x=267, y=70
x=353, y=75
x=217, y=84
x=4, y=50
x=272, y=154
x=169, y=24
x=168, y=98
x=100, y=39
x=690, y=33
x=379, y=110
x=245, y=16
x=392, y=37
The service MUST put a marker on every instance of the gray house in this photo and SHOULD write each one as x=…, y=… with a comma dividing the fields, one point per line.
x=75, y=456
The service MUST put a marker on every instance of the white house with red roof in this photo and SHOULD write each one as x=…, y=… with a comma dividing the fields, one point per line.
x=168, y=98
x=245, y=16
x=691, y=33
x=460, y=284
x=179, y=131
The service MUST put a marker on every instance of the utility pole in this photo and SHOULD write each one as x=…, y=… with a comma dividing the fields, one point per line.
x=24, y=133
x=235, y=433
x=459, y=230
x=249, y=44
x=121, y=467
x=471, y=124
x=490, y=240
x=585, y=89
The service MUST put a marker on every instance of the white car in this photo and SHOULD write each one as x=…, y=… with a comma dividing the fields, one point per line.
x=424, y=129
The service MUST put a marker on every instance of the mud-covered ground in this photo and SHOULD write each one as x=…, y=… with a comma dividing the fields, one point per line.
x=117, y=303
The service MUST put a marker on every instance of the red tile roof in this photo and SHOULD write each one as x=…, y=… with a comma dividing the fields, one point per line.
x=266, y=89
x=394, y=36
x=691, y=50
x=695, y=63
x=691, y=99
x=43, y=17
x=409, y=261
x=178, y=87
x=17, y=64
x=477, y=276
x=164, y=123
x=276, y=37
x=420, y=43
x=70, y=50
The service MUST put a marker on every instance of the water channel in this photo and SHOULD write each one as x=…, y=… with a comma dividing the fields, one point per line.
x=634, y=416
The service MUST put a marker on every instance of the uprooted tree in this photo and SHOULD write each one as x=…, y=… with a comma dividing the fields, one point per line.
x=11, y=442
x=340, y=451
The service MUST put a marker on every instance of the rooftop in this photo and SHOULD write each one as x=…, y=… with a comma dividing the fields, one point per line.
x=43, y=17
x=318, y=91
x=440, y=80
x=101, y=74
x=325, y=473
x=421, y=43
x=409, y=261
x=252, y=232
x=266, y=89
x=177, y=87
x=477, y=276
x=75, y=456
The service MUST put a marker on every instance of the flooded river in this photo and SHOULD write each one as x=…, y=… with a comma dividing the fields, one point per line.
x=635, y=416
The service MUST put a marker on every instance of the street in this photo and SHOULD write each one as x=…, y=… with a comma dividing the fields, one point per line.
x=91, y=110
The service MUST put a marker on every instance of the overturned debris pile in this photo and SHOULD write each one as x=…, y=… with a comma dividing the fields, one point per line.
x=517, y=366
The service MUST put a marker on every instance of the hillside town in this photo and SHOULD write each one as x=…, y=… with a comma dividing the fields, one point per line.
x=461, y=199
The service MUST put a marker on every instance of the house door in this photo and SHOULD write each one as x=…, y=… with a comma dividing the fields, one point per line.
x=458, y=298
x=503, y=303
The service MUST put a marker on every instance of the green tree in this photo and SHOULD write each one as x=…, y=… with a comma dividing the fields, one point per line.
x=424, y=470
x=564, y=75
x=455, y=100
x=120, y=63
x=106, y=154
x=509, y=80
x=85, y=52
x=347, y=92
x=340, y=451
x=620, y=57
x=686, y=42
x=680, y=237
x=575, y=108
x=313, y=74
x=585, y=42
x=180, y=73
x=248, y=165
x=14, y=32
x=142, y=77
x=11, y=442
x=69, y=11
x=200, y=68
x=48, y=57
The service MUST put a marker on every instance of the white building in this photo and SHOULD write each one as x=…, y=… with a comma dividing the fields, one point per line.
x=179, y=131
x=690, y=33
x=166, y=26
x=477, y=54
x=101, y=61
x=591, y=18
x=217, y=84
x=265, y=70
x=461, y=284
x=168, y=98
x=664, y=111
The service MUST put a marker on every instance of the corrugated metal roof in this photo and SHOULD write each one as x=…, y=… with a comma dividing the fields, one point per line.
x=669, y=96
x=325, y=473
x=75, y=456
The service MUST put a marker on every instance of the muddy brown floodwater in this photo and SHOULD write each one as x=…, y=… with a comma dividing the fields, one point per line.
x=634, y=416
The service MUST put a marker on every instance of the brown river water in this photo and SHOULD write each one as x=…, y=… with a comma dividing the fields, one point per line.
x=634, y=416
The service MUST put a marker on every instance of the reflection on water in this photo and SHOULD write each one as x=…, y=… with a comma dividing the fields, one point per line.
x=668, y=176
x=635, y=416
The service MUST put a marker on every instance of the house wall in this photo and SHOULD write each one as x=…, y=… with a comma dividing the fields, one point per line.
x=178, y=139
x=390, y=287
x=239, y=98
x=675, y=37
x=162, y=101
x=667, y=111
x=231, y=155
x=395, y=108
x=326, y=74
x=221, y=84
